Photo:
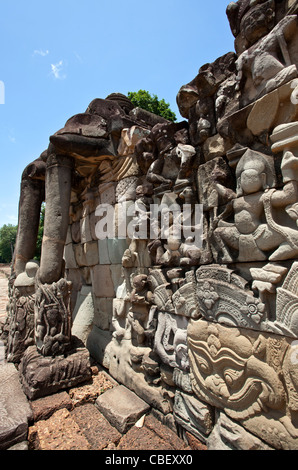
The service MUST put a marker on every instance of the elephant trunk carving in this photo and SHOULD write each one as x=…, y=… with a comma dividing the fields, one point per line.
x=32, y=196
x=58, y=189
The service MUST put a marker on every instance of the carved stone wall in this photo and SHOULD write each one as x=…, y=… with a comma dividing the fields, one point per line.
x=174, y=246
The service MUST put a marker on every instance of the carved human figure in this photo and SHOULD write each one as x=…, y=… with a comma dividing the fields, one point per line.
x=53, y=318
x=268, y=63
x=140, y=306
x=202, y=120
x=251, y=19
x=21, y=315
x=174, y=157
x=254, y=231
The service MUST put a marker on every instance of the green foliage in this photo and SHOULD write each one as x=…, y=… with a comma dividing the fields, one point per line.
x=40, y=233
x=8, y=235
x=144, y=100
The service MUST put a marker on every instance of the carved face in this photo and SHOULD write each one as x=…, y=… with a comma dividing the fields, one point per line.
x=227, y=372
x=257, y=22
x=251, y=181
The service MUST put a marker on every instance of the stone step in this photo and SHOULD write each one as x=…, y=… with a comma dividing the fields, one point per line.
x=121, y=407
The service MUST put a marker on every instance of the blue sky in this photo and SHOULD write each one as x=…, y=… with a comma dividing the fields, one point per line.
x=57, y=56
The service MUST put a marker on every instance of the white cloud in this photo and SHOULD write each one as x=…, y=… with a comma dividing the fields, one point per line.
x=41, y=52
x=57, y=70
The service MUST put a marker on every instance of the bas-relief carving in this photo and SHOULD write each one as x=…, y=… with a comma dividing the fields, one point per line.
x=255, y=234
x=53, y=318
x=242, y=372
x=269, y=64
x=134, y=358
x=258, y=301
x=229, y=435
x=21, y=313
x=251, y=21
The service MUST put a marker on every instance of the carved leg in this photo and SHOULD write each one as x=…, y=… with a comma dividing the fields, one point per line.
x=32, y=196
x=226, y=237
x=58, y=188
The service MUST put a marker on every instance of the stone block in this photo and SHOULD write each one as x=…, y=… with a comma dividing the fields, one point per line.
x=103, y=251
x=102, y=281
x=83, y=314
x=69, y=256
x=193, y=415
x=148, y=437
x=96, y=428
x=116, y=248
x=86, y=275
x=91, y=253
x=107, y=193
x=89, y=391
x=164, y=433
x=126, y=189
x=98, y=344
x=103, y=311
x=68, y=236
x=59, y=432
x=80, y=255
x=214, y=147
x=228, y=435
x=129, y=138
x=44, y=408
x=76, y=232
x=15, y=410
x=121, y=407
x=20, y=446
x=123, y=216
x=93, y=219
x=74, y=276
x=42, y=376
x=117, y=277
x=85, y=230
x=193, y=442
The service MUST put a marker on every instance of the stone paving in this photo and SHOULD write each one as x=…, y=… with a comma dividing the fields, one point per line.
x=4, y=273
x=80, y=418
x=71, y=420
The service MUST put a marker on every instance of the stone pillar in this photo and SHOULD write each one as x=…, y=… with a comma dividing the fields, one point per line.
x=32, y=196
x=58, y=189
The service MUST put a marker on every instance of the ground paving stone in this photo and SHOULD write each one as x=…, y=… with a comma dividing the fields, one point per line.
x=151, y=436
x=59, y=432
x=44, y=408
x=15, y=410
x=96, y=428
x=121, y=407
x=88, y=392
x=4, y=273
